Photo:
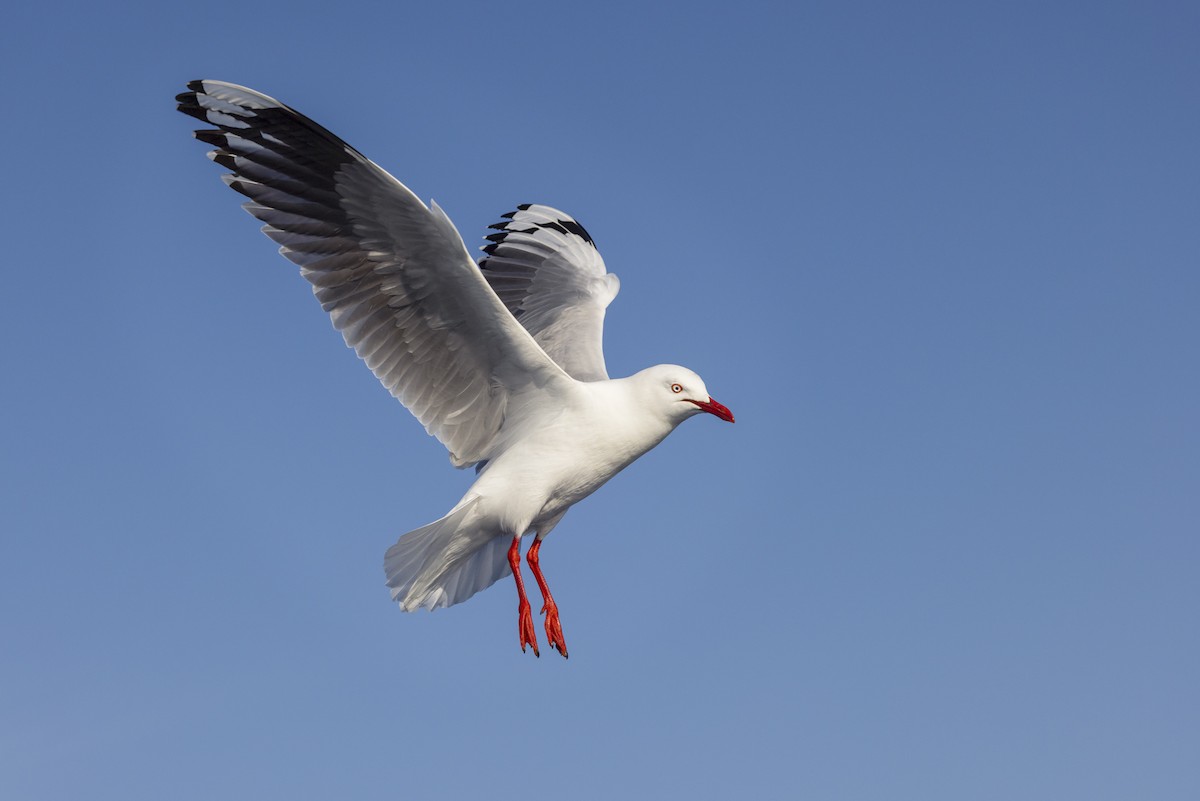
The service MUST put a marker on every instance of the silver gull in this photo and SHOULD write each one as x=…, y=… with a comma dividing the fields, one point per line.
x=500, y=360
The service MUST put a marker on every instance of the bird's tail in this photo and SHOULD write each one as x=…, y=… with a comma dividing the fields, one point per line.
x=447, y=561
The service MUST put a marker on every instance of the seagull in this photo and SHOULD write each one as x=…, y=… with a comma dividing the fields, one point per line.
x=500, y=360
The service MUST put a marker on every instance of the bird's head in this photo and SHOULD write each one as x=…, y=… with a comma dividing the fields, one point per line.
x=681, y=393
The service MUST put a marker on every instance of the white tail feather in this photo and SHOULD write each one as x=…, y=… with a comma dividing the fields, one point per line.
x=446, y=562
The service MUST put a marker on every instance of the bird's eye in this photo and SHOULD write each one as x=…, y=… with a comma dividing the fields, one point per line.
x=676, y=388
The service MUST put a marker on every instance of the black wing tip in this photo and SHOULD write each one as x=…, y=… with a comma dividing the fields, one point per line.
x=193, y=110
x=574, y=227
x=189, y=101
x=210, y=136
x=508, y=215
x=565, y=225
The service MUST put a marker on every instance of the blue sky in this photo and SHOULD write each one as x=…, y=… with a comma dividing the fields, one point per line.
x=942, y=261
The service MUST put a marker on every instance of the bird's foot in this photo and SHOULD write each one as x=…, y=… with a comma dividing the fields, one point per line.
x=526, y=628
x=554, y=633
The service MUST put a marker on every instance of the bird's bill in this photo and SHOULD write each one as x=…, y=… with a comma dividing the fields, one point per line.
x=712, y=407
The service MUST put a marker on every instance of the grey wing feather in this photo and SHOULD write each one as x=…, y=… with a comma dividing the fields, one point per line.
x=393, y=274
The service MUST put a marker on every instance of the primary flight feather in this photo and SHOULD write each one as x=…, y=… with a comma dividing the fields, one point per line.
x=501, y=360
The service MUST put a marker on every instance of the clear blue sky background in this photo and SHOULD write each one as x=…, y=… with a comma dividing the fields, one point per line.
x=941, y=259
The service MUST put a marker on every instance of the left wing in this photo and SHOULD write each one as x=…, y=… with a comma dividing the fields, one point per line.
x=545, y=268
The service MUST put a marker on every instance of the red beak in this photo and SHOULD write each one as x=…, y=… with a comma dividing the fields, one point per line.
x=712, y=407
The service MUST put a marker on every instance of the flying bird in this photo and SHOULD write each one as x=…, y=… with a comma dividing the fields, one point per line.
x=500, y=360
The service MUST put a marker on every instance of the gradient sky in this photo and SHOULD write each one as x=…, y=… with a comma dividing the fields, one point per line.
x=941, y=259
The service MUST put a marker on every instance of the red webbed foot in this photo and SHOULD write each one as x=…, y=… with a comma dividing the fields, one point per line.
x=528, y=637
x=554, y=634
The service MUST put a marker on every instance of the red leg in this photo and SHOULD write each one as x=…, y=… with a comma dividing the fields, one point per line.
x=554, y=633
x=523, y=610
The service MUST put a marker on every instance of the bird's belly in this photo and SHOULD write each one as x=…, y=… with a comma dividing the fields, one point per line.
x=537, y=482
x=571, y=490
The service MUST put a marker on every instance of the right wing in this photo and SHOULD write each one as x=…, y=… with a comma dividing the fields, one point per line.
x=393, y=274
x=547, y=271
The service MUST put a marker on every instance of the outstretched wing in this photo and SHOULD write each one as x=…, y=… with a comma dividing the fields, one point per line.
x=393, y=274
x=547, y=271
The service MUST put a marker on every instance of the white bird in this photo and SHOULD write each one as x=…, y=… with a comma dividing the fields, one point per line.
x=501, y=360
